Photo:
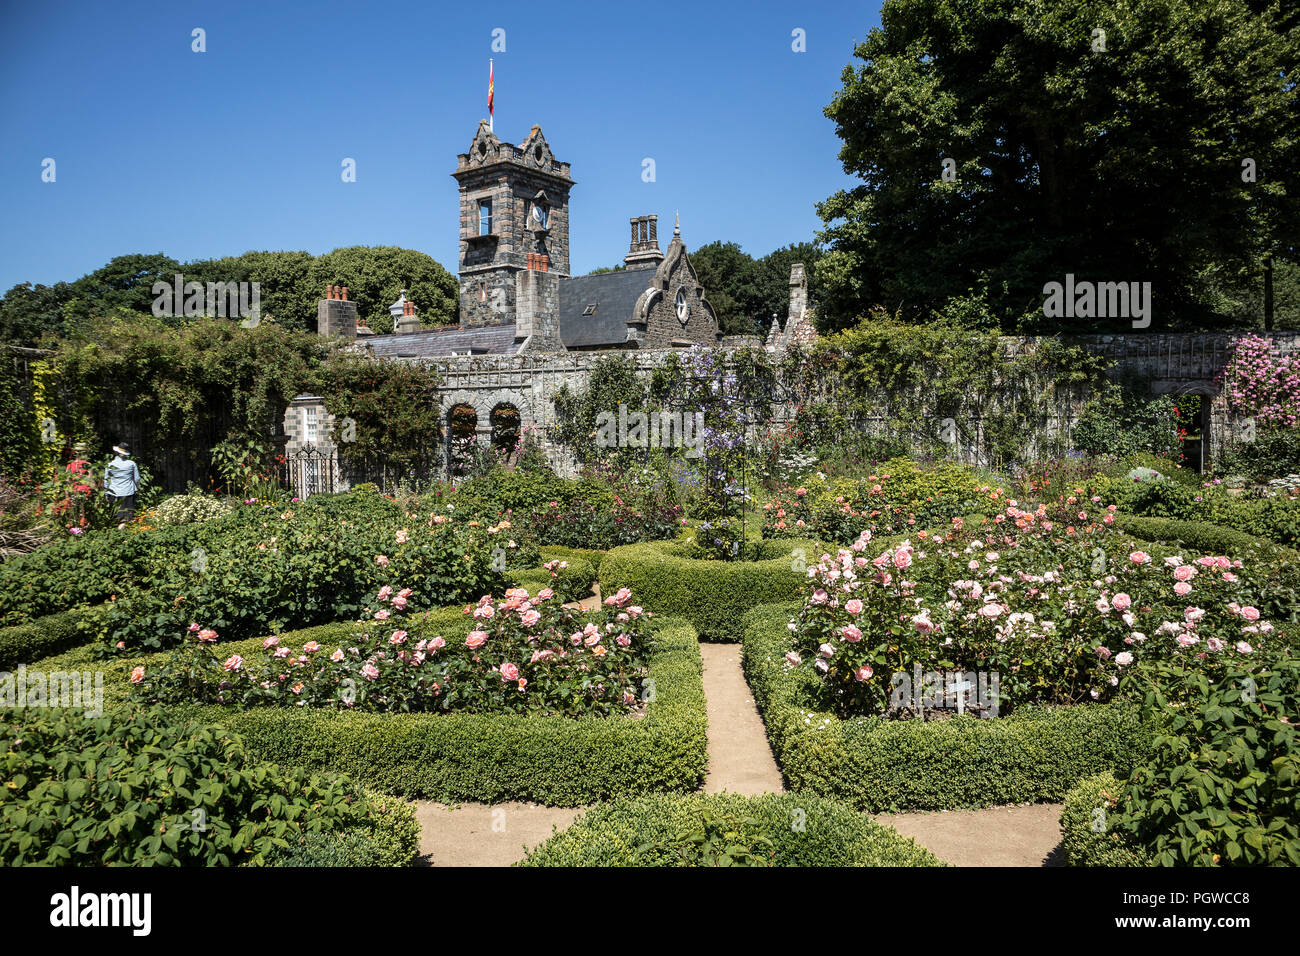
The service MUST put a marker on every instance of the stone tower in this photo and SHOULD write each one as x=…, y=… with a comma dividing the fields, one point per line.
x=514, y=203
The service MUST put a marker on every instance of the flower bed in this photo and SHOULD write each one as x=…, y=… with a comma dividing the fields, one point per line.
x=490, y=757
x=728, y=829
x=1036, y=754
x=712, y=595
x=524, y=654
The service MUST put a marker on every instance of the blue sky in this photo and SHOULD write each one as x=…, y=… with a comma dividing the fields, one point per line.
x=161, y=149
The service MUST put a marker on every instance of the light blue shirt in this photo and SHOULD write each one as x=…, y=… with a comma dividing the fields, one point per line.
x=121, y=477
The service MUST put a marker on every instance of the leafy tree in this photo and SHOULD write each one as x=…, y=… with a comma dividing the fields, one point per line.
x=375, y=277
x=29, y=312
x=1115, y=159
x=731, y=282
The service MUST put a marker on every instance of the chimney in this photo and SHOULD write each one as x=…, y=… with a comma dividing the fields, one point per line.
x=644, y=252
x=335, y=315
x=408, y=322
x=537, y=304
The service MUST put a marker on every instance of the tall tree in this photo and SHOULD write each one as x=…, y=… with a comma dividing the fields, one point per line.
x=375, y=277
x=1003, y=144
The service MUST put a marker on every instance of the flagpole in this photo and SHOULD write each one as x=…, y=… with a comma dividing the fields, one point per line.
x=491, y=99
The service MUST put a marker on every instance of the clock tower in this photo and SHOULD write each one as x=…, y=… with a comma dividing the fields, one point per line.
x=514, y=210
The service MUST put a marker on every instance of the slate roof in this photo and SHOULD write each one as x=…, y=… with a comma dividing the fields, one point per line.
x=613, y=293
x=428, y=343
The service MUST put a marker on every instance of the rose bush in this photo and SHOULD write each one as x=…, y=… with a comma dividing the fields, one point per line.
x=525, y=654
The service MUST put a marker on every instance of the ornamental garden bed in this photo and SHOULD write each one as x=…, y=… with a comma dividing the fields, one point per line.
x=712, y=595
x=728, y=830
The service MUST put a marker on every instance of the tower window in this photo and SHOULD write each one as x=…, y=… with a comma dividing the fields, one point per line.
x=482, y=291
x=485, y=217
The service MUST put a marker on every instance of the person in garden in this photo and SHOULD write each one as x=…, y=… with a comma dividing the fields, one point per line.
x=121, y=480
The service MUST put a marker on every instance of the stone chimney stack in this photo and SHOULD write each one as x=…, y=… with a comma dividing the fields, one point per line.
x=798, y=296
x=405, y=320
x=537, y=305
x=644, y=252
x=335, y=314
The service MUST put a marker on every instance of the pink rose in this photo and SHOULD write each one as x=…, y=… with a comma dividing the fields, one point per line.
x=1123, y=658
x=509, y=671
x=399, y=603
x=1122, y=601
x=233, y=663
x=863, y=673
x=437, y=643
x=484, y=611
x=530, y=618
x=311, y=647
x=337, y=655
x=820, y=597
x=523, y=682
x=271, y=642
x=545, y=594
x=398, y=637
x=1103, y=652
x=851, y=633
x=790, y=658
x=1140, y=557
x=826, y=650
x=854, y=607
x=1244, y=648
x=369, y=671
x=385, y=593
x=382, y=615
x=1184, y=572
x=137, y=674
x=1250, y=613
x=476, y=639
x=207, y=635
x=1182, y=589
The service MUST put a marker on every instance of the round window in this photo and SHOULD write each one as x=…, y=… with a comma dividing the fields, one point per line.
x=683, y=310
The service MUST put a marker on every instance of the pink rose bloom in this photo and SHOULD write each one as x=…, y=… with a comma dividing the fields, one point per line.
x=1194, y=614
x=1182, y=589
x=382, y=615
x=523, y=682
x=575, y=640
x=635, y=610
x=623, y=640
x=622, y=597
x=826, y=650
x=540, y=656
x=1184, y=572
x=991, y=610
x=820, y=597
x=297, y=688
x=311, y=647
x=399, y=603
x=1186, y=640
x=790, y=658
x=484, y=611
x=1250, y=613
x=271, y=642
x=281, y=652
x=854, y=607
x=922, y=623
x=1123, y=658
x=851, y=633
x=398, y=637
x=402, y=536
x=822, y=666
x=193, y=628
x=385, y=593
x=903, y=559
x=369, y=671
x=593, y=640
x=509, y=671
x=1122, y=601
x=1229, y=577
x=1214, y=644
x=437, y=643
x=530, y=618
x=137, y=674
x=1103, y=652
x=1244, y=648
x=405, y=593
x=121, y=645
x=1103, y=606
x=207, y=635
x=545, y=594
x=1140, y=557
x=476, y=639
x=1223, y=563
x=233, y=663
x=381, y=560
x=337, y=655
x=863, y=673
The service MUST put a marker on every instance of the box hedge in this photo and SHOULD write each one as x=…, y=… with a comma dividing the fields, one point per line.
x=52, y=634
x=557, y=761
x=712, y=595
x=1205, y=537
x=1037, y=754
x=1087, y=837
x=657, y=830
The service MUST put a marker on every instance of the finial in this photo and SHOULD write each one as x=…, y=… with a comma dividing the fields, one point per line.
x=677, y=223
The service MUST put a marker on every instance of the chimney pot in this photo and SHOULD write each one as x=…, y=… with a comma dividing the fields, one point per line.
x=546, y=263
x=345, y=293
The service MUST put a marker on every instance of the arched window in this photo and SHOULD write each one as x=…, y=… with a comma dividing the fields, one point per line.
x=462, y=433
x=505, y=430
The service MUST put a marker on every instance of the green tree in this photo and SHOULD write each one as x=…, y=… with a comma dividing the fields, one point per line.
x=375, y=277
x=731, y=282
x=1115, y=157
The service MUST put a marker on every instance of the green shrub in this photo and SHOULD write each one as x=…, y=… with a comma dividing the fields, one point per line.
x=712, y=595
x=1223, y=786
x=728, y=829
x=25, y=643
x=489, y=757
x=192, y=508
x=146, y=788
x=879, y=764
x=552, y=552
x=394, y=840
x=1088, y=834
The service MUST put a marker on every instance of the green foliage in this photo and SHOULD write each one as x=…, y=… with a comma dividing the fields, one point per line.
x=1274, y=453
x=1223, y=787
x=712, y=595
x=1056, y=149
x=558, y=761
x=611, y=382
x=356, y=847
x=24, y=643
x=144, y=788
x=194, y=507
x=746, y=292
x=726, y=829
x=878, y=765
x=1116, y=421
x=1088, y=833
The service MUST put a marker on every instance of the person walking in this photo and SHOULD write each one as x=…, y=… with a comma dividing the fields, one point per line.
x=121, y=481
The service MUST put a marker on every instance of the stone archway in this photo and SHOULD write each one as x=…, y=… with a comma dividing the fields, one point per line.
x=505, y=423
x=462, y=437
x=1198, y=419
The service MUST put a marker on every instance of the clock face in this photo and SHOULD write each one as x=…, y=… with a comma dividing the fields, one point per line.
x=683, y=311
x=539, y=216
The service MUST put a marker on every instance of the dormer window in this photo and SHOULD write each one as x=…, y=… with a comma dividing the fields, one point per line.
x=485, y=217
x=590, y=310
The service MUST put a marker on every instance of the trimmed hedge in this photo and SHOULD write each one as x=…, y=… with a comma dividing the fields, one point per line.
x=654, y=831
x=1037, y=754
x=557, y=761
x=1086, y=844
x=393, y=840
x=52, y=634
x=712, y=595
x=1204, y=537
x=551, y=552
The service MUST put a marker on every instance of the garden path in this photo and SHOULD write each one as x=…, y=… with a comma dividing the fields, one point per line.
x=740, y=759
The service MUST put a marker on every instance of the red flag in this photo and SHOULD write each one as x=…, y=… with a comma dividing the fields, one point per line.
x=491, y=90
